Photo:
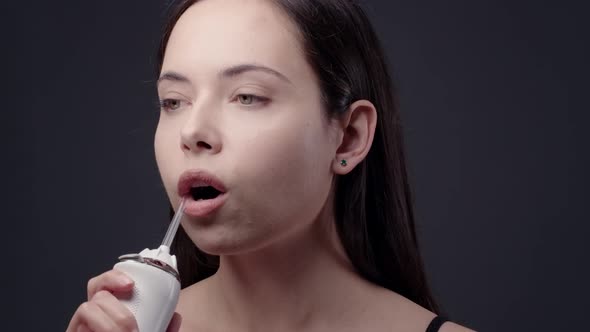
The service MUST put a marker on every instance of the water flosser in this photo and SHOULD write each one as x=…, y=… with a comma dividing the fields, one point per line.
x=157, y=283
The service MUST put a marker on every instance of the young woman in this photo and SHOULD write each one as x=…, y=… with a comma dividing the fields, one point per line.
x=285, y=108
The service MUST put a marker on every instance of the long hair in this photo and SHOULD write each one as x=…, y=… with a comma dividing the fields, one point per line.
x=373, y=203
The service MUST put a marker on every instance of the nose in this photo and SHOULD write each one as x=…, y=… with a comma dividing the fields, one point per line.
x=199, y=133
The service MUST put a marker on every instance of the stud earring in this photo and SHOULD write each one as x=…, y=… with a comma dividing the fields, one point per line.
x=343, y=163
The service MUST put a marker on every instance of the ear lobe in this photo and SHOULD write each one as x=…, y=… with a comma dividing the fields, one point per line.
x=358, y=127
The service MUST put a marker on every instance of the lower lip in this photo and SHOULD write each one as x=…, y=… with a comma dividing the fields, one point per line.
x=205, y=207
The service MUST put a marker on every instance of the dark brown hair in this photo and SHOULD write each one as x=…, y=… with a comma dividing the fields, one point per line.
x=373, y=203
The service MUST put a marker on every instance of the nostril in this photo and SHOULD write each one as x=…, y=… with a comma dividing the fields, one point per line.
x=202, y=144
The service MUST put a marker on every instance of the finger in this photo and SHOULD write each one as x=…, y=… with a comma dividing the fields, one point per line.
x=112, y=280
x=117, y=311
x=92, y=317
x=83, y=328
x=76, y=323
x=174, y=325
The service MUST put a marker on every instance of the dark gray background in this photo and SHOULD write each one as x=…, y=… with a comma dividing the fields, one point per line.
x=494, y=98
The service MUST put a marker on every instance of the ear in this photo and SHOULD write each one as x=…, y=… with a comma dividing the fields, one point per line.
x=358, y=131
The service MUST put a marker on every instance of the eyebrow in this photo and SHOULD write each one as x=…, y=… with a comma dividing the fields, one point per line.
x=247, y=67
x=226, y=73
x=173, y=77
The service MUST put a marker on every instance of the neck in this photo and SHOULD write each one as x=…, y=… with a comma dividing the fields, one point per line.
x=302, y=283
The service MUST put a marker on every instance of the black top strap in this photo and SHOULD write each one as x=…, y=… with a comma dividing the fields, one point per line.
x=436, y=323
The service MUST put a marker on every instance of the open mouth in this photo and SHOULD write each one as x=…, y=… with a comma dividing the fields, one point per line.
x=204, y=193
x=203, y=200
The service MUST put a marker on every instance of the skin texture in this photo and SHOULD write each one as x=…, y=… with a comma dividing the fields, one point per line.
x=282, y=266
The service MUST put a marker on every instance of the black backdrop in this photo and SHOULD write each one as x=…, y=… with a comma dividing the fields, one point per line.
x=494, y=101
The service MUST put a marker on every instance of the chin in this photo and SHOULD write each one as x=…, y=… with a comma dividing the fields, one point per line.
x=219, y=247
x=216, y=240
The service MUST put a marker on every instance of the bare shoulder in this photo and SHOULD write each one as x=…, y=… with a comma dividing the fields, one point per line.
x=188, y=305
x=452, y=327
x=405, y=315
x=188, y=295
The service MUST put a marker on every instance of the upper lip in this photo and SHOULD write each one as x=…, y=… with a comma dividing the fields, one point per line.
x=198, y=178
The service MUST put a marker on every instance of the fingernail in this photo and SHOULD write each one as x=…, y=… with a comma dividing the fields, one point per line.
x=124, y=281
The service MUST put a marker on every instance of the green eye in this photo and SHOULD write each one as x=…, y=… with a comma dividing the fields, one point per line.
x=246, y=99
x=170, y=104
x=251, y=100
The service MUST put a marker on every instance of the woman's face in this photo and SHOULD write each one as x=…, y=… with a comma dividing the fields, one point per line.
x=260, y=130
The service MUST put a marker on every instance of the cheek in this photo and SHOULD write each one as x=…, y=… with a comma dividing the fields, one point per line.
x=288, y=167
x=164, y=143
x=162, y=137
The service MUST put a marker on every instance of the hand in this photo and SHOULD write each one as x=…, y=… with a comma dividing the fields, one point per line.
x=104, y=312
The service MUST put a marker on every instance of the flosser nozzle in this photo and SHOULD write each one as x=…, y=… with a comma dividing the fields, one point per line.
x=174, y=225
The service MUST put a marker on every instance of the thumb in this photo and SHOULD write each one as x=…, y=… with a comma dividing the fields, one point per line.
x=174, y=325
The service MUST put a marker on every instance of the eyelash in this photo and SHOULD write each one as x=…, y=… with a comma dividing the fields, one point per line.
x=255, y=99
x=164, y=104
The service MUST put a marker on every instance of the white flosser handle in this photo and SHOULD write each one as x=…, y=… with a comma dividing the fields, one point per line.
x=154, y=296
x=156, y=289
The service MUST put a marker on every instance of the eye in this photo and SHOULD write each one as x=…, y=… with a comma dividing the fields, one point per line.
x=249, y=99
x=168, y=105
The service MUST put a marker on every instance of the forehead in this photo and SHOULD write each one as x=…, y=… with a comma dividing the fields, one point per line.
x=213, y=34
